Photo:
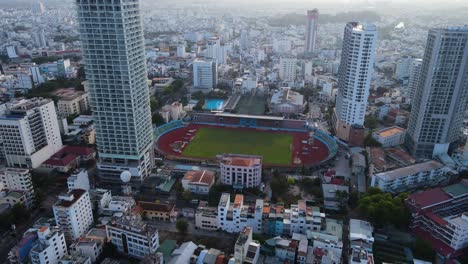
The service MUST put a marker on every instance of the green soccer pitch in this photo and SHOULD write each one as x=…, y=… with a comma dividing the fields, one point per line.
x=209, y=142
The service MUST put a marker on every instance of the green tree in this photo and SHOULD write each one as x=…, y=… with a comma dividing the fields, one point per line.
x=369, y=141
x=279, y=185
x=182, y=226
x=157, y=119
x=382, y=209
x=20, y=213
x=187, y=195
x=422, y=249
x=215, y=193
x=371, y=122
x=154, y=104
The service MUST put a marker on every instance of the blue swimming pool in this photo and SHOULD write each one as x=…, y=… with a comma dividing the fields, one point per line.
x=213, y=104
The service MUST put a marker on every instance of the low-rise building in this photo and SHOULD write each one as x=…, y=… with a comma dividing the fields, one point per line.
x=75, y=259
x=206, y=218
x=87, y=247
x=360, y=235
x=78, y=180
x=440, y=216
x=331, y=200
x=390, y=136
x=233, y=217
x=49, y=248
x=198, y=182
x=20, y=252
x=241, y=171
x=421, y=175
x=71, y=102
x=132, y=236
x=13, y=197
x=286, y=101
x=158, y=211
x=17, y=179
x=286, y=249
x=246, y=251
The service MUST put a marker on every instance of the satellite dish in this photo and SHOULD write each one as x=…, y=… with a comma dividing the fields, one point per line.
x=125, y=176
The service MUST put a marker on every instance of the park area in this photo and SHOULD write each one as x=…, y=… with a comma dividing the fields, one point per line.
x=209, y=142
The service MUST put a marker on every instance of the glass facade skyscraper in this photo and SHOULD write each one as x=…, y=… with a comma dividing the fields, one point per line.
x=441, y=95
x=115, y=66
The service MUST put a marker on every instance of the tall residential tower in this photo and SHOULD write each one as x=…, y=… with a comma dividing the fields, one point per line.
x=114, y=55
x=441, y=95
x=354, y=78
x=311, y=30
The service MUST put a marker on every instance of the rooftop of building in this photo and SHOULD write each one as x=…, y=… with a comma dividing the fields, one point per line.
x=68, y=94
x=276, y=118
x=74, y=258
x=241, y=160
x=410, y=170
x=285, y=94
x=456, y=190
x=7, y=170
x=429, y=197
x=389, y=131
x=204, y=177
x=157, y=207
x=359, y=229
x=28, y=104
x=97, y=232
x=238, y=200
x=132, y=223
x=68, y=199
x=243, y=236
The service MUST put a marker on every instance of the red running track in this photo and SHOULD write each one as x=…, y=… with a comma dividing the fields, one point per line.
x=316, y=153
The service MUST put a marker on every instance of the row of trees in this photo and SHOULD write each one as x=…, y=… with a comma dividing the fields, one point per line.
x=382, y=208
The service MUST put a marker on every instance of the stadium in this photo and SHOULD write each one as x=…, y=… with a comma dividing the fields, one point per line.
x=281, y=142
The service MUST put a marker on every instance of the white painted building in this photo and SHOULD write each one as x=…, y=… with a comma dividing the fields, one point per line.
x=414, y=73
x=390, y=136
x=18, y=179
x=78, y=180
x=205, y=74
x=286, y=101
x=30, y=132
x=287, y=68
x=242, y=171
x=402, y=67
x=421, y=175
x=198, y=182
x=49, y=247
x=354, y=76
x=87, y=247
x=73, y=213
x=75, y=259
x=132, y=236
x=246, y=250
x=233, y=217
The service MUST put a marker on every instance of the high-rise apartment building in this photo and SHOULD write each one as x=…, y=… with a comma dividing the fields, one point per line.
x=114, y=55
x=205, y=74
x=441, y=96
x=354, y=78
x=414, y=72
x=73, y=213
x=30, y=132
x=287, y=68
x=311, y=30
x=215, y=50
